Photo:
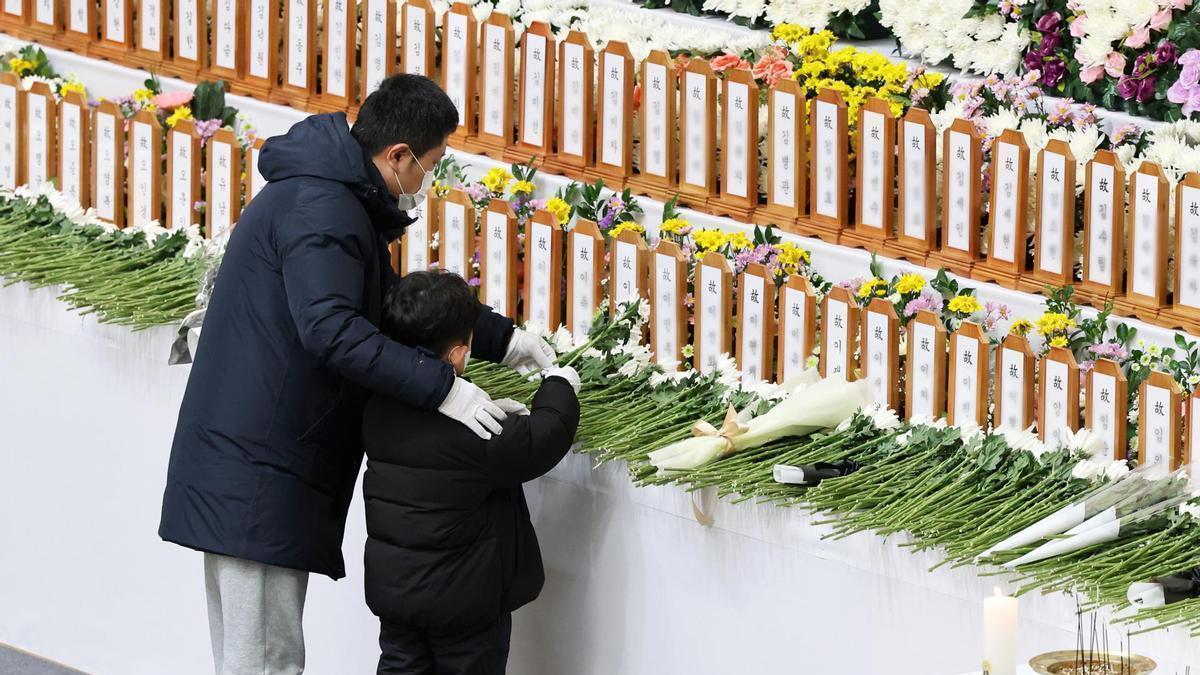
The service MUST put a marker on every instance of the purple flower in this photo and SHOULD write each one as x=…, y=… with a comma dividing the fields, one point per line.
x=851, y=284
x=1125, y=132
x=1127, y=87
x=1033, y=61
x=1050, y=42
x=924, y=301
x=1049, y=22
x=1053, y=72
x=1165, y=54
x=1145, y=90
x=474, y=281
x=1143, y=63
x=1109, y=350
x=607, y=220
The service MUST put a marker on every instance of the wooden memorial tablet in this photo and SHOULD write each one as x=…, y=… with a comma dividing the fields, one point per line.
x=1058, y=395
x=698, y=133
x=144, y=193
x=417, y=37
x=797, y=326
x=378, y=46
x=45, y=20
x=153, y=48
x=1015, y=379
x=499, y=266
x=739, y=147
x=879, y=361
x=41, y=115
x=714, y=311
x=339, y=57
x=74, y=148
x=108, y=166
x=1191, y=448
x=787, y=157
x=1008, y=216
x=15, y=17
x=191, y=38
x=839, y=330
x=968, y=377
x=916, y=224
x=574, y=107
x=116, y=31
x=962, y=199
x=12, y=126
x=614, y=127
x=299, y=54
x=1107, y=405
x=659, y=148
x=1103, y=230
x=925, y=384
x=183, y=174
x=1159, y=443
x=254, y=179
x=415, y=251
x=496, y=95
x=1146, y=281
x=630, y=269
x=875, y=180
x=262, y=49
x=828, y=154
x=456, y=241
x=668, y=315
x=1184, y=312
x=223, y=188
x=80, y=25
x=1054, y=219
x=543, y=271
x=585, y=270
x=228, y=48
x=756, y=323
x=535, y=122
x=460, y=50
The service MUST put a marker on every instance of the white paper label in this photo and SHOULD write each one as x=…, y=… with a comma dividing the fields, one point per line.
x=695, y=170
x=1100, y=235
x=1145, y=236
x=375, y=51
x=1012, y=388
x=78, y=22
x=37, y=140
x=150, y=13
x=795, y=322
x=497, y=263
x=916, y=209
x=181, y=180
x=414, y=40
x=924, y=371
x=297, y=43
x=1056, y=411
x=43, y=12
x=257, y=182
x=654, y=107
x=783, y=150
x=336, y=76
x=454, y=216
x=220, y=201
x=737, y=143
x=1102, y=401
x=825, y=160
x=144, y=166
x=455, y=63
x=114, y=28
x=1193, y=468
x=107, y=156
x=959, y=229
x=494, y=100
x=416, y=239
x=8, y=137
x=613, y=117
x=837, y=339
x=874, y=191
x=1156, y=416
x=533, y=118
x=1050, y=238
x=1188, y=266
x=71, y=152
x=711, y=293
x=187, y=43
x=259, y=42
x=540, y=275
x=225, y=43
x=583, y=284
x=750, y=328
x=666, y=312
x=1006, y=172
x=966, y=382
x=879, y=357
x=628, y=286
x=574, y=117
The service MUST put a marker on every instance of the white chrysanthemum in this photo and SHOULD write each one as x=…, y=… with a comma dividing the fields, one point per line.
x=1116, y=469
x=1085, y=442
x=1004, y=118
x=562, y=340
x=1189, y=509
x=1086, y=469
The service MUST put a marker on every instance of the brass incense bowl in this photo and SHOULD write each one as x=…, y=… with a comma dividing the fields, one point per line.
x=1064, y=663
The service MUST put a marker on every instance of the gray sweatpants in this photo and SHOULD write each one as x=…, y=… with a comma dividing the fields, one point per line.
x=255, y=615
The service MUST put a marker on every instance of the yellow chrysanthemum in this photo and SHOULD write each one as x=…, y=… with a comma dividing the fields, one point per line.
x=789, y=32
x=143, y=95
x=1020, y=327
x=872, y=287
x=710, y=240
x=19, y=65
x=72, y=87
x=815, y=43
x=522, y=187
x=496, y=180
x=1053, y=323
x=964, y=304
x=560, y=209
x=739, y=241
x=1060, y=341
x=628, y=226
x=791, y=255
x=674, y=226
x=910, y=283
x=183, y=112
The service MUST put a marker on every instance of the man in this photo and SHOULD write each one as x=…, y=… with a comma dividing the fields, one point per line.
x=267, y=447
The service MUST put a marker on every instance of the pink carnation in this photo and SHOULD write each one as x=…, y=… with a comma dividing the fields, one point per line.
x=1090, y=75
x=1161, y=19
x=726, y=62
x=771, y=69
x=172, y=99
x=1114, y=64
x=1138, y=38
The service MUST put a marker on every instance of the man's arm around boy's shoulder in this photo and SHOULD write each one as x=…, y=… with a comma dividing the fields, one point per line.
x=533, y=444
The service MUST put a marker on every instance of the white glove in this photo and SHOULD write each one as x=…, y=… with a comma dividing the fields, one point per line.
x=511, y=407
x=473, y=407
x=567, y=373
x=527, y=352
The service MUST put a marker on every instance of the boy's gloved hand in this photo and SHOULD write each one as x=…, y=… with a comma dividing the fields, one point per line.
x=470, y=405
x=527, y=352
x=567, y=373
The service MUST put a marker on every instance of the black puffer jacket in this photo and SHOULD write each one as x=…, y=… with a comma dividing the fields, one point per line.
x=449, y=540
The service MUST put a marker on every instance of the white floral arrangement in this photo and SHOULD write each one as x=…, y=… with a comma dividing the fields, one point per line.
x=940, y=30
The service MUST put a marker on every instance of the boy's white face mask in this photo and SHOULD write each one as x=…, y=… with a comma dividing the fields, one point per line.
x=409, y=202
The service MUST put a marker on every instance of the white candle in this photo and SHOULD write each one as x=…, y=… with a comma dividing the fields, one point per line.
x=999, y=635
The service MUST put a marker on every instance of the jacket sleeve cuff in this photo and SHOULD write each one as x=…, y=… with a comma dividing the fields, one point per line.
x=492, y=334
x=440, y=377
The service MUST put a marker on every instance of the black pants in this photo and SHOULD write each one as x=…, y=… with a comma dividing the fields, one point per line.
x=414, y=651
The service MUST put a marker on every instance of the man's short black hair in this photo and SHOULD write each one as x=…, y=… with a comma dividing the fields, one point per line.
x=405, y=108
x=434, y=310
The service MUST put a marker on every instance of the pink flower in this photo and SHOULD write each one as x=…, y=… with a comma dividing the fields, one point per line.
x=1161, y=19
x=1114, y=64
x=771, y=70
x=1090, y=75
x=924, y=301
x=172, y=99
x=1138, y=38
x=726, y=62
x=1180, y=4
x=1077, y=27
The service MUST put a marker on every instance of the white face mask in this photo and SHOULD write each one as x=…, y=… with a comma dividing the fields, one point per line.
x=409, y=202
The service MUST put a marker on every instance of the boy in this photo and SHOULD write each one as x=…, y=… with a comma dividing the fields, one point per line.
x=451, y=551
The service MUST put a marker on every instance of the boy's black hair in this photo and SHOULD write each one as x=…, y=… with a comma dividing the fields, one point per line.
x=408, y=109
x=434, y=310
